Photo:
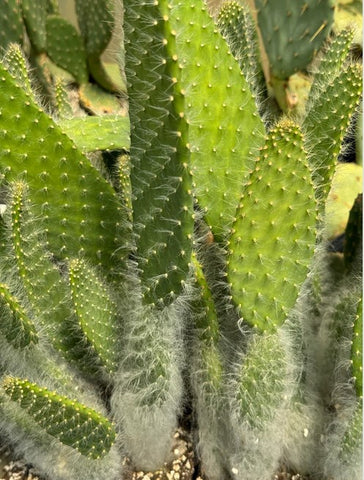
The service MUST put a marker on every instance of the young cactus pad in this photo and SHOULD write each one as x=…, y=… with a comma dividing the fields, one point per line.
x=273, y=237
x=70, y=422
x=15, y=324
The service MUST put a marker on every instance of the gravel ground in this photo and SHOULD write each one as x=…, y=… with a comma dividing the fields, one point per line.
x=182, y=466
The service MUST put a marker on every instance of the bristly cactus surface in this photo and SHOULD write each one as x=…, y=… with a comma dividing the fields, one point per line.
x=187, y=253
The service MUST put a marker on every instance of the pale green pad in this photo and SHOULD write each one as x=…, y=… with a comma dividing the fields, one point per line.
x=273, y=237
x=65, y=47
x=15, y=324
x=69, y=421
x=96, y=312
x=224, y=125
x=161, y=187
x=79, y=208
x=326, y=124
x=109, y=132
x=293, y=31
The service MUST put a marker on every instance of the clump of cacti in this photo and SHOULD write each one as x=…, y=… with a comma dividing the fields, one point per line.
x=191, y=261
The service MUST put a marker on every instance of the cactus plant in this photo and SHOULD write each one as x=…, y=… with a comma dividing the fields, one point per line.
x=193, y=265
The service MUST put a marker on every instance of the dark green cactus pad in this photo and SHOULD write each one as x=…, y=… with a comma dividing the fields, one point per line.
x=273, y=237
x=79, y=208
x=15, y=325
x=65, y=47
x=292, y=32
x=238, y=28
x=333, y=57
x=262, y=380
x=11, y=24
x=96, y=22
x=109, y=132
x=357, y=350
x=17, y=66
x=69, y=421
x=162, y=200
x=96, y=312
x=34, y=15
x=224, y=125
x=326, y=124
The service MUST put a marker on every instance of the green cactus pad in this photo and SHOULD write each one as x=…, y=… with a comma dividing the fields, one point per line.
x=292, y=32
x=96, y=22
x=109, y=132
x=79, y=208
x=326, y=124
x=61, y=99
x=16, y=63
x=273, y=237
x=331, y=62
x=162, y=200
x=357, y=350
x=15, y=324
x=237, y=26
x=65, y=47
x=262, y=380
x=224, y=125
x=72, y=423
x=96, y=312
x=34, y=15
x=11, y=24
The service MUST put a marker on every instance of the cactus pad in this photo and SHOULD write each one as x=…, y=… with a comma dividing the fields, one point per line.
x=109, y=132
x=65, y=47
x=78, y=206
x=34, y=15
x=292, y=32
x=11, y=24
x=162, y=201
x=70, y=422
x=95, y=311
x=326, y=124
x=15, y=324
x=224, y=125
x=272, y=239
